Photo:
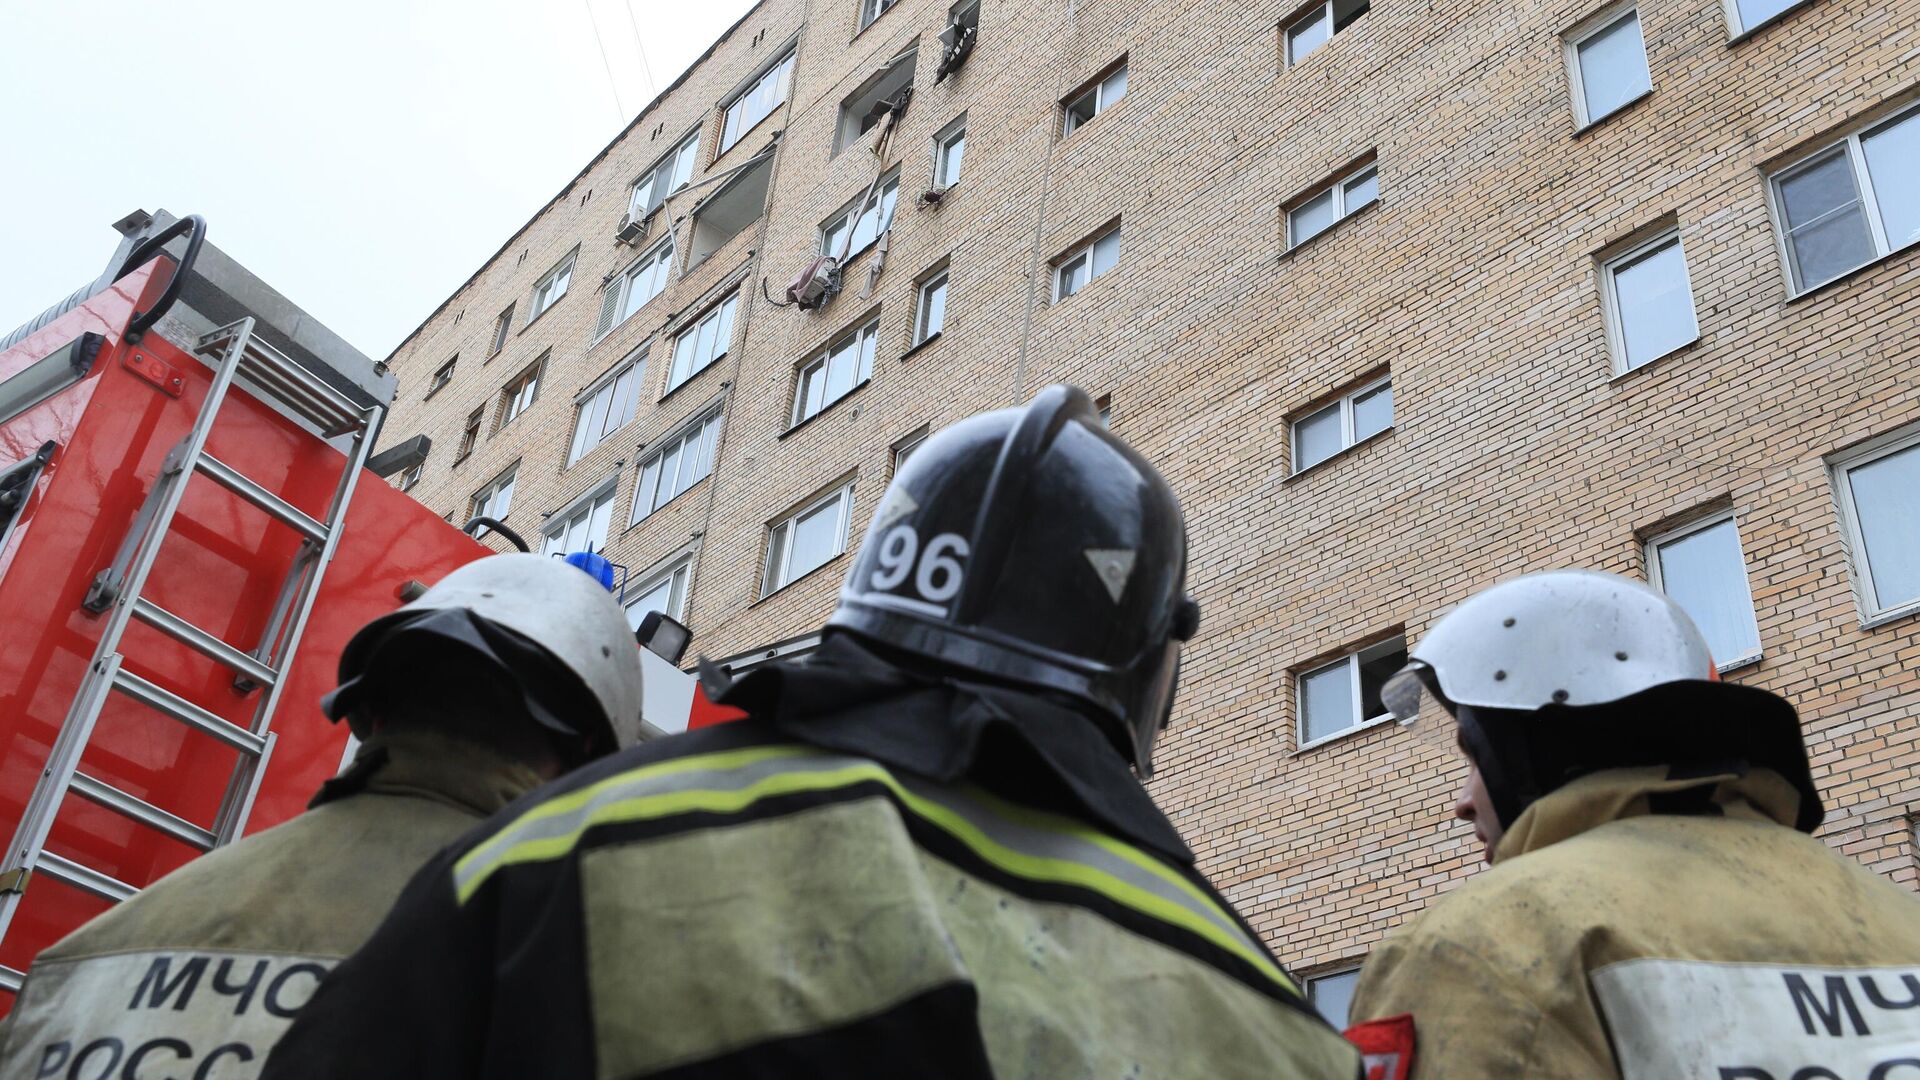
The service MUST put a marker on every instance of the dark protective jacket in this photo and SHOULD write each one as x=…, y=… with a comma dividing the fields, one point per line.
x=1640, y=925
x=198, y=974
x=875, y=875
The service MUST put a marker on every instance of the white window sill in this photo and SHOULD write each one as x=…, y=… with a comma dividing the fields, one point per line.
x=1677, y=350
x=1623, y=107
x=791, y=582
x=1893, y=614
x=1743, y=35
x=1741, y=663
x=1365, y=725
x=1339, y=454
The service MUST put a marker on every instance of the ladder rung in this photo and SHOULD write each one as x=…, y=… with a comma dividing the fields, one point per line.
x=102, y=885
x=314, y=400
x=140, y=810
x=204, y=643
x=11, y=979
x=188, y=713
x=230, y=478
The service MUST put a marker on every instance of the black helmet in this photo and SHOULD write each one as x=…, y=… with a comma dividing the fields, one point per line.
x=1032, y=547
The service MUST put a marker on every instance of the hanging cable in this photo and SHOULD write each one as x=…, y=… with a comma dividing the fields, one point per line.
x=619, y=107
x=646, y=68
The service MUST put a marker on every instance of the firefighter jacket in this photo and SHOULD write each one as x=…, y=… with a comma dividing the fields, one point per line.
x=197, y=975
x=1648, y=925
x=873, y=875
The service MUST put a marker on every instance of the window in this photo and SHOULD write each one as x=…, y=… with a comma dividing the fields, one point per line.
x=1332, y=995
x=1085, y=263
x=1104, y=403
x=667, y=176
x=581, y=528
x=1353, y=419
x=737, y=203
x=833, y=374
x=1701, y=567
x=873, y=9
x=930, y=311
x=665, y=592
x=703, y=342
x=767, y=92
x=1748, y=15
x=1607, y=63
x=443, y=376
x=886, y=92
x=502, y=326
x=1345, y=694
x=949, y=147
x=1095, y=99
x=904, y=449
x=630, y=290
x=1318, y=212
x=548, y=291
x=520, y=393
x=494, y=500
x=1851, y=202
x=1879, y=492
x=681, y=462
x=957, y=40
x=410, y=476
x=470, y=436
x=607, y=405
x=1648, y=302
x=807, y=540
x=859, y=223
x=1317, y=25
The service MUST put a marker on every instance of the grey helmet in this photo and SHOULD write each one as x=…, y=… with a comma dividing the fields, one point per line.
x=563, y=612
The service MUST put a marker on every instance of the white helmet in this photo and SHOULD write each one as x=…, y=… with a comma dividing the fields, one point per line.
x=565, y=612
x=1558, y=637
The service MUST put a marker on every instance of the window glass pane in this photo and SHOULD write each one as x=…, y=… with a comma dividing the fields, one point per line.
x=1755, y=12
x=1362, y=190
x=669, y=475
x=598, y=521
x=1106, y=252
x=1345, y=11
x=582, y=438
x=1886, y=500
x=601, y=406
x=1377, y=665
x=1613, y=67
x=950, y=157
x=813, y=390
x=1818, y=189
x=723, y=339
x=1316, y=438
x=777, y=557
x=1312, y=219
x=1826, y=229
x=654, y=599
x=1893, y=166
x=840, y=367
x=1073, y=275
x=1332, y=996
x=1081, y=109
x=1307, y=35
x=1114, y=88
x=703, y=348
x=709, y=438
x=1656, y=306
x=626, y=396
x=815, y=539
x=1705, y=575
x=1373, y=412
x=643, y=493
x=867, y=339
x=1326, y=701
x=933, y=308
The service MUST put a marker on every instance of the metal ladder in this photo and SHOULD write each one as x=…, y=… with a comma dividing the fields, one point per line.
x=117, y=590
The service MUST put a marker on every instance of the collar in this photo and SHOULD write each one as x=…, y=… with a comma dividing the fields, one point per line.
x=845, y=698
x=1615, y=794
x=431, y=765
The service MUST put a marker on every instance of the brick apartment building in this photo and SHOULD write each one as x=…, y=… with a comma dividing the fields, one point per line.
x=1404, y=300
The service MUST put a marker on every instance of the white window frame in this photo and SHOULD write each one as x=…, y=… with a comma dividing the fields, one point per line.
x=702, y=433
x=1353, y=660
x=1576, y=77
x=471, y=433
x=922, y=306
x=1065, y=266
x=735, y=128
x=502, y=329
x=1855, y=153
x=1341, y=211
x=673, y=171
x=677, y=574
x=1610, y=296
x=862, y=341
x=543, y=295
x=1737, y=30
x=1314, y=980
x=904, y=449
x=944, y=140
x=725, y=310
x=481, y=502
x=873, y=9
x=410, y=476
x=442, y=375
x=781, y=544
x=656, y=263
x=1303, y=16
x=850, y=119
x=1347, y=439
x=635, y=362
x=1100, y=95
x=525, y=385
x=581, y=509
x=1656, y=579
x=848, y=217
x=1839, y=467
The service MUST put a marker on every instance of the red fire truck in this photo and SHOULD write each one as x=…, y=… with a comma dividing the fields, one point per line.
x=189, y=534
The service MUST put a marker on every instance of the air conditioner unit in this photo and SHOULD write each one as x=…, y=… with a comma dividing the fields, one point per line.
x=816, y=284
x=631, y=230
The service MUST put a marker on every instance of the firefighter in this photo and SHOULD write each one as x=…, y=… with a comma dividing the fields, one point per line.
x=511, y=670
x=922, y=853
x=1656, y=906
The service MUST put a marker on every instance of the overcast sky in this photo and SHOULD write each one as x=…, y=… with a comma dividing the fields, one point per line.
x=362, y=156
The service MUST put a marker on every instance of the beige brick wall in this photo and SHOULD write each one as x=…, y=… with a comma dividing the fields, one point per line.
x=1473, y=281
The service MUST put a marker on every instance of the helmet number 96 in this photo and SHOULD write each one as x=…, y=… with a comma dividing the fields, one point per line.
x=938, y=574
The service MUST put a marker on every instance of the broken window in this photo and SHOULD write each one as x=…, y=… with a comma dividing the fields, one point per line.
x=735, y=205
x=859, y=223
x=956, y=41
x=886, y=91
